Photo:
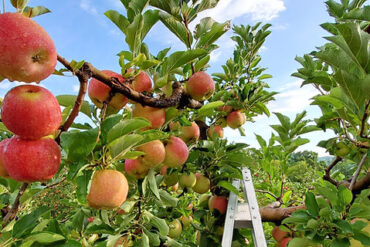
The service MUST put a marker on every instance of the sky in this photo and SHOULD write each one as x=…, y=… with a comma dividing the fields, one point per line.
x=82, y=32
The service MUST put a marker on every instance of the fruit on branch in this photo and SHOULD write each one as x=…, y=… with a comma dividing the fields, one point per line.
x=188, y=133
x=203, y=200
x=225, y=108
x=176, y=152
x=215, y=130
x=163, y=170
x=28, y=53
x=100, y=92
x=175, y=229
x=200, y=86
x=142, y=83
x=108, y=189
x=135, y=169
x=187, y=180
x=279, y=234
x=221, y=122
x=175, y=187
x=156, y=116
x=186, y=220
x=341, y=149
x=3, y=172
x=154, y=153
x=219, y=203
x=285, y=242
x=31, y=160
x=31, y=112
x=236, y=119
x=202, y=185
x=171, y=179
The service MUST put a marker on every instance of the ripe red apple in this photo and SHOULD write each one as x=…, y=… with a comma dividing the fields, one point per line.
x=28, y=53
x=176, y=152
x=188, y=133
x=187, y=180
x=202, y=185
x=156, y=116
x=142, y=83
x=200, y=86
x=108, y=189
x=135, y=169
x=236, y=119
x=225, y=108
x=99, y=92
x=3, y=172
x=90, y=219
x=279, y=234
x=219, y=203
x=285, y=242
x=215, y=129
x=31, y=160
x=175, y=229
x=154, y=153
x=31, y=112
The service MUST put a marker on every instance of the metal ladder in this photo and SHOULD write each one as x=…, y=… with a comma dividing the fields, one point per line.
x=243, y=215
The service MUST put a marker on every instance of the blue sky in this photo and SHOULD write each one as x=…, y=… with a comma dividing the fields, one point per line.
x=81, y=32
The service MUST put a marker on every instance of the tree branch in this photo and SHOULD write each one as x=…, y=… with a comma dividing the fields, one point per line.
x=272, y=214
x=364, y=120
x=267, y=192
x=13, y=211
x=357, y=143
x=327, y=171
x=357, y=172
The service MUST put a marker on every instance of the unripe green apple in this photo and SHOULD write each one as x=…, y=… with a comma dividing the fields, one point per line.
x=188, y=133
x=200, y=86
x=171, y=179
x=221, y=122
x=135, y=169
x=176, y=152
x=219, y=203
x=203, y=200
x=108, y=189
x=156, y=116
x=187, y=180
x=341, y=149
x=31, y=112
x=28, y=53
x=175, y=229
x=154, y=153
x=202, y=185
x=236, y=119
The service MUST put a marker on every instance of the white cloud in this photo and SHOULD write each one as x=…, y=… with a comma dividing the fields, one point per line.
x=76, y=88
x=87, y=6
x=259, y=10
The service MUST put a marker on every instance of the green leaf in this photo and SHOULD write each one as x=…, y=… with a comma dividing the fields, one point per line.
x=153, y=237
x=35, y=11
x=176, y=27
x=25, y=224
x=173, y=243
x=208, y=109
x=201, y=63
x=43, y=238
x=299, y=216
x=69, y=100
x=311, y=204
x=150, y=18
x=299, y=242
x=107, y=125
x=228, y=186
x=122, y=145
x=167, y=199
x=215, y=32
x=144, y=241
x=345, y=195
x=121, y=22
x=340, y=242
x=78, y=145
x=180, y=58
x=99, y=229
x=82, y=183
x=204, y=5
x=160, y=224
x=133, y=34
x=153, y=184
x=125, y=127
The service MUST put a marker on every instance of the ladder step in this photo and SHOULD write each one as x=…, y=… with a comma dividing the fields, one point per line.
x=243, y=216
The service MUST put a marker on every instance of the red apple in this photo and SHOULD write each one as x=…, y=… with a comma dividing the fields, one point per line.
x=108, y=189
x=200, y=86
x=188, y=133
x=163, y=170
x=31, y=112
x=90, y=219
x=285, y=242
x=99, y=92
x=31, y=160
x=135, y=169
x=28, y=53
x=236, y=119
x=156, y=116
x=176, y=152
x=142, y=83
x=279, y=234
x=219, y=203
x=202, y=185
x=215, y=129
x=154, y=153
x=3, y=172
x=225, y=108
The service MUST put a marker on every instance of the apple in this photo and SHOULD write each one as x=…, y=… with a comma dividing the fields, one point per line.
x=225, y=108
x=31, y=160
x=28, y=53
x=190, y=206
x=219, y=203
x=163, y=170
x=187, y=180
x=215, y=130
x=99, y=92
x=188, y=133
x=341, y=149
x=156, y=116
x=176, y=152
x=135, y=169
x=221, y=122
x=90, y=219
x=279, y=234
x=203, y=200
x=200, y=86
x=108, y=189
x=202, y=185
x=31, y=112
x=175, y=229
x=236, y=119
x=154, y=153
x=142, y=83
x=186, y=220
x=3, y=172
x=171, y=179
x=285, y=242
x=175, y=187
